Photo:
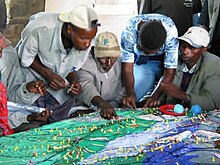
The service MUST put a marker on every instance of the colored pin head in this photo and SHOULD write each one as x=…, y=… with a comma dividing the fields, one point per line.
x=178, y=108
x=196, y=110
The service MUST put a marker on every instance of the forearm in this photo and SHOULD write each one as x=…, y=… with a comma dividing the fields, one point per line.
x=20, y=94
x=17, y=118
x=167, y=78
x=97, y=101
x=128, y=78
x=40, y=68
x=71, y=77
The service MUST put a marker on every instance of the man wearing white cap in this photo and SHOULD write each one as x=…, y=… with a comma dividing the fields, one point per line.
x=100, y=76
x=197, y=77
x=53, y=46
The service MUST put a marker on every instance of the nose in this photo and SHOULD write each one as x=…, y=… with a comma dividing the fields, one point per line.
x=108, y=61
x=185, y=50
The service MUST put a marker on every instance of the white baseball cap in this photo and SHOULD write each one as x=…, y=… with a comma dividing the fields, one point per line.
x=82, y=17
x=196, y=36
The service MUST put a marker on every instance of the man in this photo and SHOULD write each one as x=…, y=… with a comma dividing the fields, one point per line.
x=197, y=77
x=54, y=46
x=100, y=76
x=13, y=76
x=148, y=41
x=210, y=18
x=180, y=11
x=12, y=116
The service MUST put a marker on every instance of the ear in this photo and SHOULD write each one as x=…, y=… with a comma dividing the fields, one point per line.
x=204, y=50
x=69, y=29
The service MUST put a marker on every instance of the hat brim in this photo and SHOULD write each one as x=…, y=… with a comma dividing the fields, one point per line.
x=107, y=53
x=189, y=41
x=64, y=17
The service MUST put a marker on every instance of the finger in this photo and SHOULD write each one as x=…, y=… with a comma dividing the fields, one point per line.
x=53, y=85
x=40, y=91
x=147, y=103
x=109, y=117
x=123, y=101
x=157, y=103
x=151, y=104
x=46, y=112
x=70, y=90
x=61, y=82
x=133, y=104
x=129, y=105
x=115, y=114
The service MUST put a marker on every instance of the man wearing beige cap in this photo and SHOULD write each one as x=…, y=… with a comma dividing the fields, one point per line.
x=53, y=46
x=100, y=76
x=197, y=77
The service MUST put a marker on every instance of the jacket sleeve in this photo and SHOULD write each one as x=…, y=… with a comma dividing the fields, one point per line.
x=89, y=90
x=17, y=118
x=20, y=94
x=27, y=50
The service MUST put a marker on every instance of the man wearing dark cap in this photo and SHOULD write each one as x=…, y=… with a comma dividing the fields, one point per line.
x=53, y=46
x=197, y=76
x=149, y=50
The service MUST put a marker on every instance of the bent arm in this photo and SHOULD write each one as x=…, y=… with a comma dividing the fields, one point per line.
x=167, y=78
x=54, y=81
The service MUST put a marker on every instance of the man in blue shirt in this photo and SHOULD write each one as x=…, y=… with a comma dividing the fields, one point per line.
x=148, y=41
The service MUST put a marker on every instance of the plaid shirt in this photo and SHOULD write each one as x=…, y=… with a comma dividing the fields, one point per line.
x=4, y=111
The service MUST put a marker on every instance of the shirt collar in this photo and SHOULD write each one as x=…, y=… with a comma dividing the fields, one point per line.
x=192, y=70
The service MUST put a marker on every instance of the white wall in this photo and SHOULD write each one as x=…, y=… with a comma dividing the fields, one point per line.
x=113, y=14
x=65, y=5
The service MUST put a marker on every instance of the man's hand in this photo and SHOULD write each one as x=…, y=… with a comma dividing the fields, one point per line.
x=129, y=101
x=43, y=116
x=55, y=81
x=36, y=87
x=151, y=102
x=107, y=111
x=75, y=88
x=172, y=90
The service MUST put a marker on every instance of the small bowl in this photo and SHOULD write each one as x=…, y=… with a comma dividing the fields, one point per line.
x=168, y=110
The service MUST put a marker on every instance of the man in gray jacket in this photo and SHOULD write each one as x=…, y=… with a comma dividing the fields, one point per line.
x=100, y=76
x=197, y=77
